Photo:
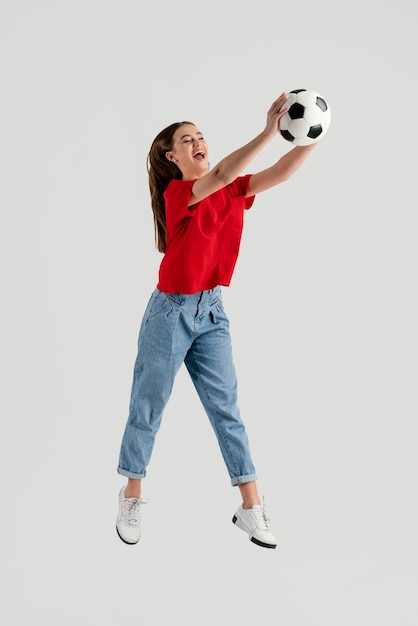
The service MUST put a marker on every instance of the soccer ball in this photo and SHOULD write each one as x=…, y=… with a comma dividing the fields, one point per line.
x=307, y=119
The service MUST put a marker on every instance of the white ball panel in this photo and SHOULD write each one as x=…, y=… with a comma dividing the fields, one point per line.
x=298, y=128
x=307, y=98
x=313, y=115
x=305, y=141
x=326, y=120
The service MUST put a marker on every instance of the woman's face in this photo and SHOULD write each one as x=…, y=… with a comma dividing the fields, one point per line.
x=190, y=152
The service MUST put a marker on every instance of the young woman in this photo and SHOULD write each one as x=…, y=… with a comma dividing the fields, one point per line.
x=198, y=219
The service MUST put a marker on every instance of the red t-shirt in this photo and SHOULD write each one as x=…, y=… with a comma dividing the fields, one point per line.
x=202, y=240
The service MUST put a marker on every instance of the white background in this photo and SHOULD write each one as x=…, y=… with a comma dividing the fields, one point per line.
x=323, y=309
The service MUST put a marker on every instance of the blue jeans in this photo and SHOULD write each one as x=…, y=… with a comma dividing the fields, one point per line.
x=193, y=329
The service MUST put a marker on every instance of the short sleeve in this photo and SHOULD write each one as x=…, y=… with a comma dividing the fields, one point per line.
x=177, y=197
x=240, y=187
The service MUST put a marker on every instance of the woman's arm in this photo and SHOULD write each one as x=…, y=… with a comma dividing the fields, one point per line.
x=281, y=171
x=231, y=166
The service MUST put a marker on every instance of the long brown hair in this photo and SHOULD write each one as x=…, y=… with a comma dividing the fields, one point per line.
x=160, y=172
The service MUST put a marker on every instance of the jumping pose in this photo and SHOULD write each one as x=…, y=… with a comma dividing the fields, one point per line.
x=198, y=220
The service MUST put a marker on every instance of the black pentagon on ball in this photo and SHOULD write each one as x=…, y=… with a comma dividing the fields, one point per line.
x=320, y=102
x=315, y=131
x=296, y=111
x=297, y=90
x=288, y=136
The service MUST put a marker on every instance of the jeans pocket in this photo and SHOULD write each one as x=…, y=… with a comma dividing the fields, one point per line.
x=158, y=303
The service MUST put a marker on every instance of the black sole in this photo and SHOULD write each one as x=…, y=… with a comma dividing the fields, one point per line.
x=263, y=545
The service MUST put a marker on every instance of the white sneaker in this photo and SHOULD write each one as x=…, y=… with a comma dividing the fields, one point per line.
x=255, y=522
x=128, y=523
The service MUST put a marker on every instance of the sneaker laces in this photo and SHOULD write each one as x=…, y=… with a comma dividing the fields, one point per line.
x=260, y=516
x=131, y=510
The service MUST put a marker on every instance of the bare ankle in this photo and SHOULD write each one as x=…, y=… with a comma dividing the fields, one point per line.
x=129, y=494
x=133, y=489
x=249, y=494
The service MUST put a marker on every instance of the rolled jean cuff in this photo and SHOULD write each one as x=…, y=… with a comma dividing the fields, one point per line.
x=239, y=480
x=128, y=474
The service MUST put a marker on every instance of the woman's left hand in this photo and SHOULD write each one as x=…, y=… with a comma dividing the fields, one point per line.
x=274, y=114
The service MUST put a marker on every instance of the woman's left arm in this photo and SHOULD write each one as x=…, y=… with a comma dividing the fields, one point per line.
x=281, y=171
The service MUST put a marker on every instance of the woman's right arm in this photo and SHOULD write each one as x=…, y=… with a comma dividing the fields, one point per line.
x=231, y=166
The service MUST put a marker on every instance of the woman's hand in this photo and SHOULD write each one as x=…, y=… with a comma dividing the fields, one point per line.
x=274, y=114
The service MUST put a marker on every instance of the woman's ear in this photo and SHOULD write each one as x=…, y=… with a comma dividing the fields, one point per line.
x=169, y=156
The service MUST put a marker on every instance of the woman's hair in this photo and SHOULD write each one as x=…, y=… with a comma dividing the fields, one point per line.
x=160, y=172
